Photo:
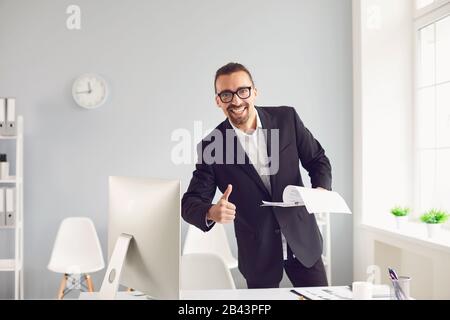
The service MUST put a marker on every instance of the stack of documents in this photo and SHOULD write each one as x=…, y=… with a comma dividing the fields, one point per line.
x=315, y=200
x=7, y=207
x=379, y=292
x=7, y=116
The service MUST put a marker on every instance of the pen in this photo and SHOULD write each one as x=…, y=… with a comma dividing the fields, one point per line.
x=393, y=274
x=302, y=297
x=399, y=293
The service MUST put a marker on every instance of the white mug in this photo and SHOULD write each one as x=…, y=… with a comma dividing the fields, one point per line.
x=362, y=290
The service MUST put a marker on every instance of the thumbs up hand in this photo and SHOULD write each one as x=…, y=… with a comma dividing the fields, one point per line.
x=223, y=211
x=227, y=193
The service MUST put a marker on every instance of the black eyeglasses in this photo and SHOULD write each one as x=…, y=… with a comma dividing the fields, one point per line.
x=226, y=96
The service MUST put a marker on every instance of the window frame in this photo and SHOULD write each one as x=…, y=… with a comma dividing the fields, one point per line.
x=436, y=5
x=424, y=17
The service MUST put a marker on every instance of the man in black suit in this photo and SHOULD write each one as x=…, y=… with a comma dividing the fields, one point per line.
x=247, y=170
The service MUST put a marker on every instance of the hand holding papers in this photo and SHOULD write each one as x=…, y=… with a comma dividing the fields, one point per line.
x=315, y=200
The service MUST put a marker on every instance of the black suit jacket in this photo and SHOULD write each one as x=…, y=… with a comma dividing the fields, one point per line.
x=257, y=229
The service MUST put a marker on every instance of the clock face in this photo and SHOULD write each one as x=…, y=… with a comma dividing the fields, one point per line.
x=90, y=91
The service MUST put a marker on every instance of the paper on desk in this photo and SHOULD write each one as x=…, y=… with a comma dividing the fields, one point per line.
x=326, y=293
x=380, y=292
x=315, y=200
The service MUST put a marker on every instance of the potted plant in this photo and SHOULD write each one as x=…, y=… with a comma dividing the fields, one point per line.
x=434, y=219
x=401, y=215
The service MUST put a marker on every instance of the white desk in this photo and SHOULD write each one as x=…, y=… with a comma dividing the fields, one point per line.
x=240, y=294
x=319, y=293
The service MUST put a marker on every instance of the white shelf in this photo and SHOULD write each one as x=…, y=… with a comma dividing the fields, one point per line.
x=15, y=265
x=10, y=180
x=323, y=222
x=7, y=264
x=414, y=233
x=17, y=225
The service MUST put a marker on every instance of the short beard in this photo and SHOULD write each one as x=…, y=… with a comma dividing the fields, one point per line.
x=239, y=121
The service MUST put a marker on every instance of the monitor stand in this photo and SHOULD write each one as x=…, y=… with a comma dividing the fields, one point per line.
x=110, y=284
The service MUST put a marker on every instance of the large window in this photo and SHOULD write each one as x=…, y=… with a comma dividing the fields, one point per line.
x=423, y=3
x=432, y=113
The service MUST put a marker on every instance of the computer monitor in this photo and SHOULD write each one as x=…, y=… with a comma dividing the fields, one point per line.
x=144, y=231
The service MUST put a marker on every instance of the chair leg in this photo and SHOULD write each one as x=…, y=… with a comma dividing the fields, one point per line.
x=89, y=283
x=62, y=286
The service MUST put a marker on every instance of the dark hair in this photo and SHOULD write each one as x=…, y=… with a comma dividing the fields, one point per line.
x=230, y=68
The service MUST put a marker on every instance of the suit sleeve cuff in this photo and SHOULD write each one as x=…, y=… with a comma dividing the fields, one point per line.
x=209, y=223
x=322, y=182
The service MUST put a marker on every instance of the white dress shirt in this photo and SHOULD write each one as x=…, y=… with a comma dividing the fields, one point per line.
x=254, y=145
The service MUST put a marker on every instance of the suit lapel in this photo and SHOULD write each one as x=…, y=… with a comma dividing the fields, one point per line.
x=247, y=167
x=267, y=125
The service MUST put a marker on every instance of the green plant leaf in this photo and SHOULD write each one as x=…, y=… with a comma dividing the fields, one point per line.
x=434, y=216
x=400, y=211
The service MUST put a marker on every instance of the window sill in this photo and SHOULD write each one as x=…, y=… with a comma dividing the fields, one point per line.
x=412, y=232
x=430, y=8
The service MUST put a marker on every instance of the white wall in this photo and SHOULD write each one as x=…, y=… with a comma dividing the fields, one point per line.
x=159, y=58
x=383, y=72
x=387, y=105
x=383, y=147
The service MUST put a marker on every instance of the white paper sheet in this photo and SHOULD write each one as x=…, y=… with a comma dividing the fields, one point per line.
x=326, y=293
x=380, y=292
x=315, y=200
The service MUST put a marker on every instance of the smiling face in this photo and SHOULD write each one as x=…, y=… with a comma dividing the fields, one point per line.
x=240, y=110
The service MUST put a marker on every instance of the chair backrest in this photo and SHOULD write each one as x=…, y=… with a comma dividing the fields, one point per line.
x=204, y=271
x=76, y=248
x=214, y=241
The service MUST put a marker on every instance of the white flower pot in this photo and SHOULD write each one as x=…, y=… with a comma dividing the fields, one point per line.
x=401, y=221
x=433, y=229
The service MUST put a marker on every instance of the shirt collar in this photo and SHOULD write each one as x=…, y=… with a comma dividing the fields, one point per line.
x=258, y=124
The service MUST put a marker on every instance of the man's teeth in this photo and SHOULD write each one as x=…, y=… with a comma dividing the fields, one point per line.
x=238, y=110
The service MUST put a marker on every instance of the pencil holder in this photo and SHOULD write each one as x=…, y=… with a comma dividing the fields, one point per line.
x=400, y=289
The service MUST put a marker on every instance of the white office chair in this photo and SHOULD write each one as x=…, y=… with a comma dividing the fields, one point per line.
x=76, y=253
x=214, y=241
x=204, y=271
